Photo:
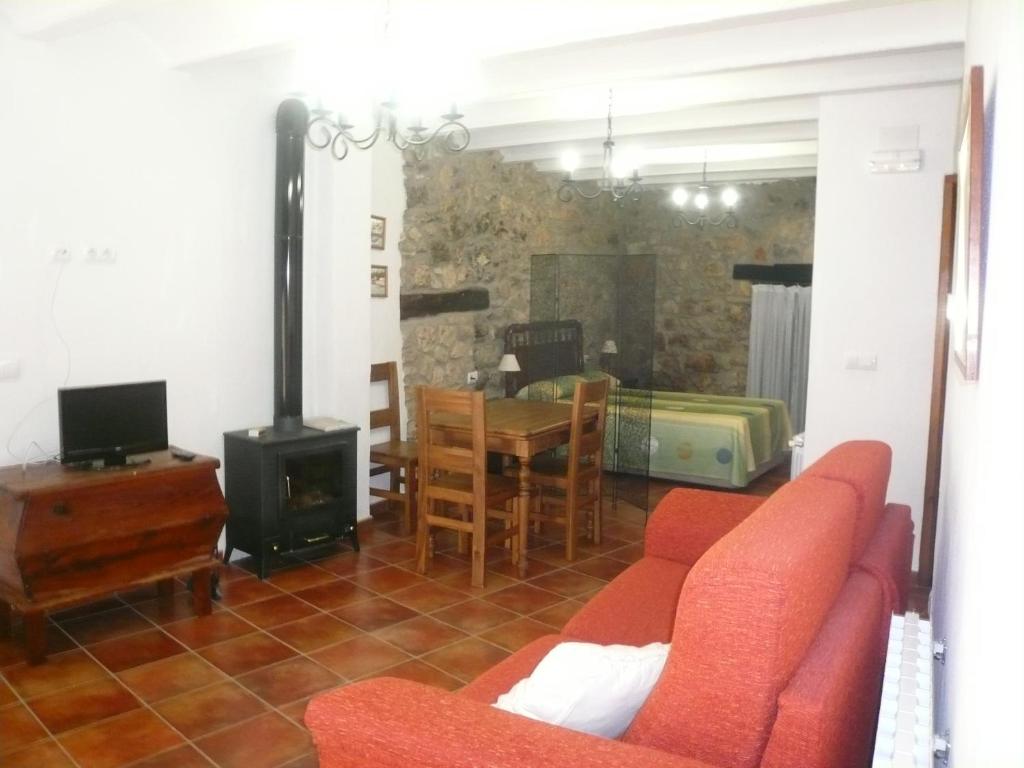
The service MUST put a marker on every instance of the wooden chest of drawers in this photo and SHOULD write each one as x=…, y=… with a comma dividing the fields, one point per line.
x=70, y=535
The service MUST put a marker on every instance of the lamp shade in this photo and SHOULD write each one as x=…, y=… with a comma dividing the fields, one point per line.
x=610, y=347
x=509, y=364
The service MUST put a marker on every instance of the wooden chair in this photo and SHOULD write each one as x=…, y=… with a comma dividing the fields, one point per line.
x=396, y=457
x=453, y=470
x=579, y=475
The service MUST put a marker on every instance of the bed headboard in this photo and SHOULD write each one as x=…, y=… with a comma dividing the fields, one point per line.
x=544, y=350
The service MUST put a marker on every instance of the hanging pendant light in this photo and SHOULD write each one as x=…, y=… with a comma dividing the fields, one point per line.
x=331, y=129
x=620, y=178
x=709, y=207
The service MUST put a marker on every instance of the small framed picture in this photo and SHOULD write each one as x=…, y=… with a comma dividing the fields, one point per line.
x=378, y=281
x=378, y=227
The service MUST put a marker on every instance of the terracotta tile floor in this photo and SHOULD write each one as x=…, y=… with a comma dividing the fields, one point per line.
x=135, y=681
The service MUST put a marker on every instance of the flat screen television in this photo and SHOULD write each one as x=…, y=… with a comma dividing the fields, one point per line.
x=110, y=423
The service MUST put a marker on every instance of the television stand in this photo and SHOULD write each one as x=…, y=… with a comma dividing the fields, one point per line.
x=68, y=537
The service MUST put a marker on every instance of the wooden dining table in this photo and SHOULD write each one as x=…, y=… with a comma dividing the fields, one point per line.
x=520, y=428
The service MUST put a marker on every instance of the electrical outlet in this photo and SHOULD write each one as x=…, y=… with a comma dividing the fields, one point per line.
x=100, y=256
x=473, y=377
x=62, y=255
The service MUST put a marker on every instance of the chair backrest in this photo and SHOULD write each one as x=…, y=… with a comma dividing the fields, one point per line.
x=387, y=417
x=586, y=439
x=748, y=612
x=442, y=452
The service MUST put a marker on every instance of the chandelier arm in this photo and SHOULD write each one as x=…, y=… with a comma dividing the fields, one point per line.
x=418, y=138
x=568, y=188
x=682, y=218
x=321, y=131
x=366, y=141
x=342, y=153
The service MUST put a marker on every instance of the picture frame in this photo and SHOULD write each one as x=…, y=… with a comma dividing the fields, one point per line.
x=968, y=269
x=378, y=230
x=378, y=281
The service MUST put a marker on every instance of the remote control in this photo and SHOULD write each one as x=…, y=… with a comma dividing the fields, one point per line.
x=182, y=454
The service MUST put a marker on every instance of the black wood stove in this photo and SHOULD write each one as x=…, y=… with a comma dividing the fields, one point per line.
x=290, y=489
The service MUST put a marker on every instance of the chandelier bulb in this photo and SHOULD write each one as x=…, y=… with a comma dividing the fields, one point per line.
x=570, y=160
x=701, y=200
x=730, y=197
x=680, y=196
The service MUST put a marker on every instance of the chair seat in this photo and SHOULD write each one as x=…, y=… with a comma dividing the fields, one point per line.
x=394, y=451
x=552, y=471
x=499, y=488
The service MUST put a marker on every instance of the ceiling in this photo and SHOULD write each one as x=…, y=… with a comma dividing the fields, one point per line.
x=736, y=81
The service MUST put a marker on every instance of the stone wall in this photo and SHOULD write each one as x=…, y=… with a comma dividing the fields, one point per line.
x=474, y=221
x=702, y=315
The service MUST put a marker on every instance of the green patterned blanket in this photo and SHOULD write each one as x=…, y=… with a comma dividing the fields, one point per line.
x=712, y=439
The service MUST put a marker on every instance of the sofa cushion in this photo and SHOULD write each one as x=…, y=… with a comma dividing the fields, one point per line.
x=888, y=558
x=890, y=555
x=827, y=713
x=864, y=465
x=587, y=687
x=495, y=681
x=688, y=521
x=638, y=607
x=748, y=612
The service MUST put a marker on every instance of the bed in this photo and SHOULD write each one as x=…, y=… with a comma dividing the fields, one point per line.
x=718, y=440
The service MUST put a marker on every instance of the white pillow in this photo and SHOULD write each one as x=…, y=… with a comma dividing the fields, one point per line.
x=596, y=689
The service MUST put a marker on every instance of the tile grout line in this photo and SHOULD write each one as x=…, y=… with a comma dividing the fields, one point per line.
x=373, y=594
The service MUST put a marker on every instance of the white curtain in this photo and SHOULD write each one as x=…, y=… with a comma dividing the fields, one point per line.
x=780, y=324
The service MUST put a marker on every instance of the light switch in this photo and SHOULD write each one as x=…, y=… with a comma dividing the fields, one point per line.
x=861, y=362
x=10, y=369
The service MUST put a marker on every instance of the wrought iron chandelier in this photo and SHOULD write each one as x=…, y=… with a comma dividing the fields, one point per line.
x=616, y=180
x=329, y=130
x=725, y=213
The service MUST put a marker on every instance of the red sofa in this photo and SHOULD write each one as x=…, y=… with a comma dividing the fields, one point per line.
x=777, y=612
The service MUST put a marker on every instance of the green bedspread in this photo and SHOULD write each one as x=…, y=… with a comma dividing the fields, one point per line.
x=711, y=439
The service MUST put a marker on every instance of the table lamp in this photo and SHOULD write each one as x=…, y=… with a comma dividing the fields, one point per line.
x=608, y=352
x=509, y=364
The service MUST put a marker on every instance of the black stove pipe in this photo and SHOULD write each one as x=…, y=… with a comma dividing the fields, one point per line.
x=292, y=118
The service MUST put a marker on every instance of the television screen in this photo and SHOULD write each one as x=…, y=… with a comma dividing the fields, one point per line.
x=112, y=422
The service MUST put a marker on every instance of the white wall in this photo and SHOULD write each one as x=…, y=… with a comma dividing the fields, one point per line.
x=388, y=200
x=102, y=146
x=979, y=577
x=876, y=251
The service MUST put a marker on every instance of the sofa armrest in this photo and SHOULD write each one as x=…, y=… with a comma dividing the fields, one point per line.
x=688, y=521
x=390, y=723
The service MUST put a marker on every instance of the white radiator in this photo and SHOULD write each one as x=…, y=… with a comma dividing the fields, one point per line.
x=904, y=738
x=796, y=461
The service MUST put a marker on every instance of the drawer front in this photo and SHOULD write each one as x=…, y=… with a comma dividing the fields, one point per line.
x=54, y=521
x=112, y=533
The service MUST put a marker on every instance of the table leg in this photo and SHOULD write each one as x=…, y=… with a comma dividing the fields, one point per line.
x=35, y=636
x=165, y=589
x=201, y=591
x=5, y=620
x=524, y=510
